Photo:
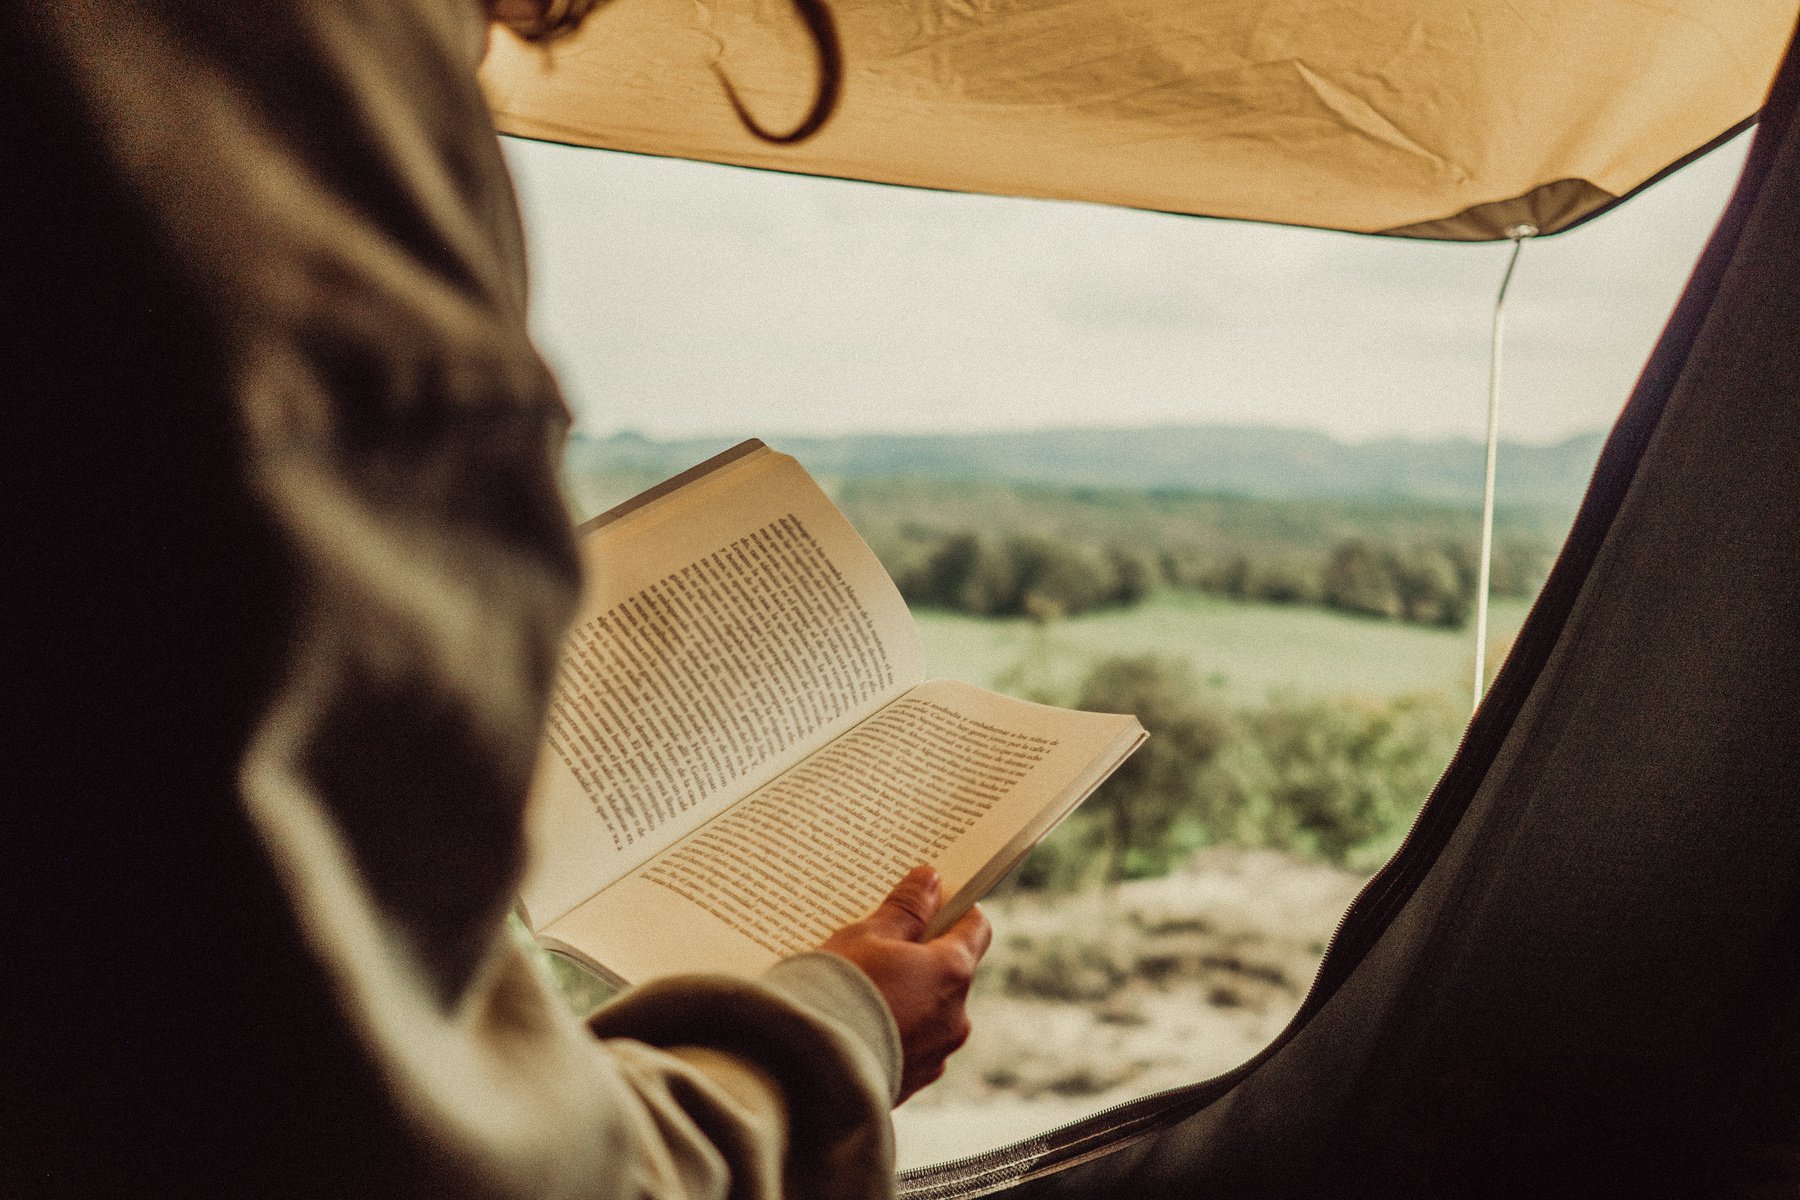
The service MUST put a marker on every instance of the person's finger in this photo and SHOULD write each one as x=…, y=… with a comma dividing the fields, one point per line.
x=909, y=908
x=971, y=935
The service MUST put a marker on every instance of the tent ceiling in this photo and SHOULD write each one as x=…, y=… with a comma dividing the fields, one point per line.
x=1426, y=118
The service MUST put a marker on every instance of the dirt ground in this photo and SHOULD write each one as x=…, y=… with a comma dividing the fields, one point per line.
x=1089, y=1001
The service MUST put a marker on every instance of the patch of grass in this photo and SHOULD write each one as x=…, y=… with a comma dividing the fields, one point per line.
x=1248, y=652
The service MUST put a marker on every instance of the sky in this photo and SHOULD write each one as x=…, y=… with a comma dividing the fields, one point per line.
x=683, y=299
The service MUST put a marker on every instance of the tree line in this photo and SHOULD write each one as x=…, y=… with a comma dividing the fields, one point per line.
x=1044, y=576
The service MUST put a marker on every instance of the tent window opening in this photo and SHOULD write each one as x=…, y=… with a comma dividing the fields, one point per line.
x=1226, y=476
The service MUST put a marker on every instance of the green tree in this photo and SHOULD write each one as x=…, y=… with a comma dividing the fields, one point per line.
x=1341, y=779
x=1280, y=581
x=1230, y=577
x=1162, y=802
x=1135, y=573
x=1521, y=564
x=1359, y=578
x=1433, y=590
x=971, y=573
x=1056, y=578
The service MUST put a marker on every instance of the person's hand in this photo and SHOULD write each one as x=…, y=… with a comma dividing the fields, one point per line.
x=926, y=984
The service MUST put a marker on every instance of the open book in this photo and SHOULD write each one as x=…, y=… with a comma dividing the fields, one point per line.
x=742, y=752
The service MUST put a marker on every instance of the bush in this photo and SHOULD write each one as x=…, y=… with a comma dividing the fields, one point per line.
x=1135, y=574
x=1360, y=579
x=1160, y=805
x=1433, y=588
x=1521, y=564
x=1429, y=583
x=1281, y=582
x=1025, y=575
x=970, y=573
x=1043, y=576
x=1341, y=780
x=1054, y=578
x=1337, y=780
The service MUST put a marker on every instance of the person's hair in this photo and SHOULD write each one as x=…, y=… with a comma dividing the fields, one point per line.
x=547, y=20
x=550, y=20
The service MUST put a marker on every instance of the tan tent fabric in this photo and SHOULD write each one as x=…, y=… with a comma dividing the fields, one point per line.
x=1430, y=118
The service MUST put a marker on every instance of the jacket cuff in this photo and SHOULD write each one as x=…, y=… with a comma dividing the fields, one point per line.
x=818, y=1030
x=836, y=990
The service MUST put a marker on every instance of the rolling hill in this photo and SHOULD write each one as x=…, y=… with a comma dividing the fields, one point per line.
x=1251, y=461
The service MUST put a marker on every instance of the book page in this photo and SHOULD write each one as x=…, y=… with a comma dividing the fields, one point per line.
x=946, y=774
x=730, y=626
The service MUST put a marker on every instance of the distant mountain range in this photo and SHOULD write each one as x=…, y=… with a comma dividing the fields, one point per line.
x=1255, y=461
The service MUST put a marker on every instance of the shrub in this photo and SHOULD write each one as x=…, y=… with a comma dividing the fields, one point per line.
x=1055, y=578
x=1433, y=588
x=1025, y=575
x=1159, y=806
x=1281, y=582
x=1229, y=577
x=1341, y=780
x=971, y=573
x=1337, y=780
x=1359, y=578
x=1428, y=583
x=1521, y=564
x=1135, y=574
x=1043, y=576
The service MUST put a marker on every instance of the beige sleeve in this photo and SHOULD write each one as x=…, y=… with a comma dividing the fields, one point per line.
x=337, y=592
x=800, y=1069
x=684, y=1089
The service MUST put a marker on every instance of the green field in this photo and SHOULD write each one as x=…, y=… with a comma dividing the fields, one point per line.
x=1248, y=651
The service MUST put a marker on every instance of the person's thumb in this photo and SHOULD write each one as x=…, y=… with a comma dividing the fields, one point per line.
x=909, y=908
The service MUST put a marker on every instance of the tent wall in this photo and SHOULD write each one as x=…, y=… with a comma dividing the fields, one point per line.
x=1581, y=976
x=1429, y=118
